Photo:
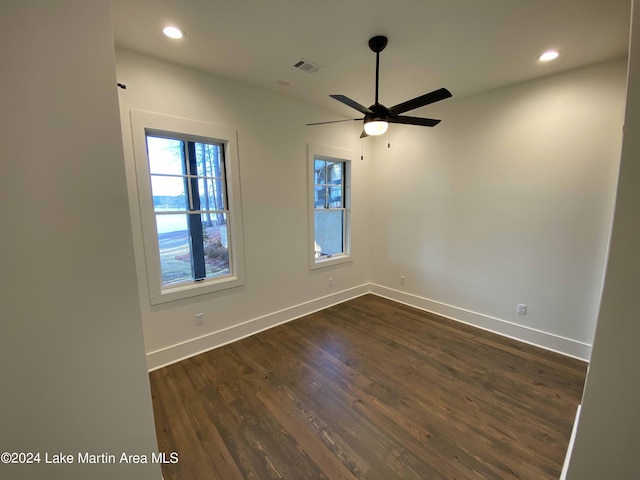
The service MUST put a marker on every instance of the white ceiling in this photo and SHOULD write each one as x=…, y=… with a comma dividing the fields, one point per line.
x=465, y=45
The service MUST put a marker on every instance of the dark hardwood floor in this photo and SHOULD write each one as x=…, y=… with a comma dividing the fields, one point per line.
x=368, y=389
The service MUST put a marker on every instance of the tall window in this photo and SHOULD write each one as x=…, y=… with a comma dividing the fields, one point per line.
x=331, y=207
x=190, y=207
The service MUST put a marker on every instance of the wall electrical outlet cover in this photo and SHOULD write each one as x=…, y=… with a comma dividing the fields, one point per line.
x=199, y=318
x=522, y=309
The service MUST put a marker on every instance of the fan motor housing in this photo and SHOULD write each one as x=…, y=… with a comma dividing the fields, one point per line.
x=380, y=112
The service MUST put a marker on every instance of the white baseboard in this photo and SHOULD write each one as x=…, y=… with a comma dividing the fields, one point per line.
x=548, y=341
x=175, y=353
x=166, y=356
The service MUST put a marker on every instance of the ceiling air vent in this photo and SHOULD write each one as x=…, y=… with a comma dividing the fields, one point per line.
x=307, y=66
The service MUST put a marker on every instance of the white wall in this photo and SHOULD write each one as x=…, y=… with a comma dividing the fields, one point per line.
x=71, y=350
x=608, y=434
x=507, y=201
x=272, y=142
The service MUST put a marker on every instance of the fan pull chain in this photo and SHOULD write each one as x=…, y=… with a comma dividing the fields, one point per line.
x=389, y=138
x=362, y=149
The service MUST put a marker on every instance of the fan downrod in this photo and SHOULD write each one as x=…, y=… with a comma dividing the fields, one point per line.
x=377, y=43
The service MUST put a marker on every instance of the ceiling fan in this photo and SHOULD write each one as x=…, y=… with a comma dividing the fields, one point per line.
x=378, y=117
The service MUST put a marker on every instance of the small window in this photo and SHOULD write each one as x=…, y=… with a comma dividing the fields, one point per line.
x=330, y=191
x=190, y=215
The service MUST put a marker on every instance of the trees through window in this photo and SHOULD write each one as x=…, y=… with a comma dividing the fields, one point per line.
x=190, y=207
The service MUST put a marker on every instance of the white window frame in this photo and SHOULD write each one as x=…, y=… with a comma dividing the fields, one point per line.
x=147, y=122
x=333, y=154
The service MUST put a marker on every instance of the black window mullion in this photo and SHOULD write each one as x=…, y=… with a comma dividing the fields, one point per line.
x=195, y=220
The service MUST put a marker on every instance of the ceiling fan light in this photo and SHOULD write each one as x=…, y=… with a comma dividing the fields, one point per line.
x=375, y=127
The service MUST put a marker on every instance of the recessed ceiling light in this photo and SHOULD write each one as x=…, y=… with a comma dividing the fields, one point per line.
x=549, y=55
x=172, y=31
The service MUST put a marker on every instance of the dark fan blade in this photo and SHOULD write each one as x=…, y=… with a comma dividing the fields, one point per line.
x=351, y=103
x=335, y=121
x=363, y=134
x=424, y=122
x=418, y=102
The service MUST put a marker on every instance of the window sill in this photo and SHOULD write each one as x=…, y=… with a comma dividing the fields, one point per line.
x=329, y=261
x=188, y=290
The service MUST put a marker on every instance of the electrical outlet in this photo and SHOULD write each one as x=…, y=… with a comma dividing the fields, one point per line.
x=521, y=309
x=402, y=279
x=331, y=282
x=199, y=318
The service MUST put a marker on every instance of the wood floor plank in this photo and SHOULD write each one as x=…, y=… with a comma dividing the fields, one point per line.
x=368, y=389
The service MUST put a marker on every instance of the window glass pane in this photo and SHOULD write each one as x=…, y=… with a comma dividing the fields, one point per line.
x=334, y=173
x=335, y=197
x=319, y=195
x=328, y=226
x=319, y=171
x=219, y=193
x=208, y=158
x=169, y=193
x=216, y=244
x=175, y=248
x=213, y=219
x=211, y=194
x=166, y=155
